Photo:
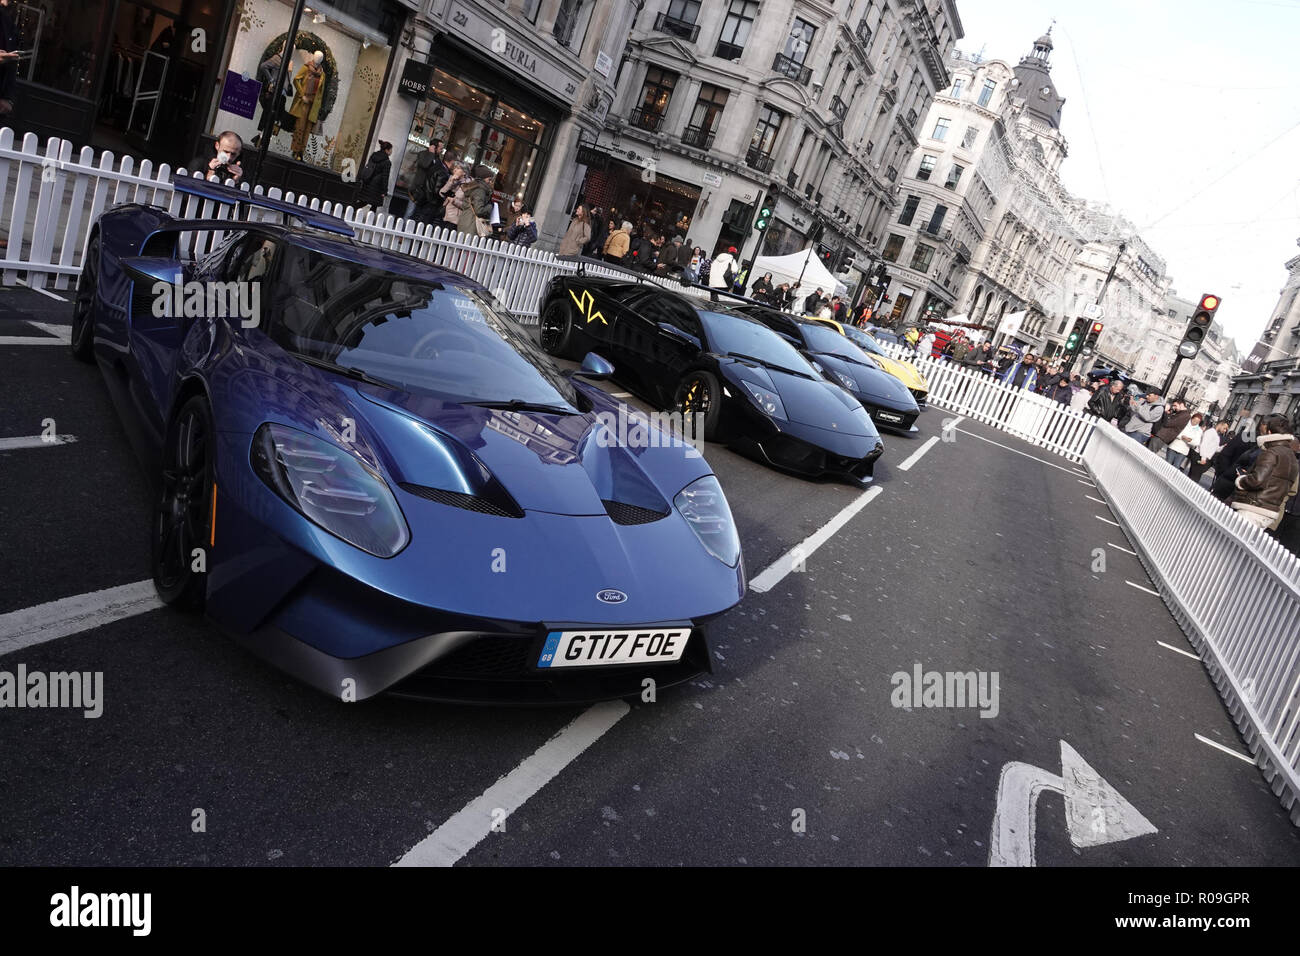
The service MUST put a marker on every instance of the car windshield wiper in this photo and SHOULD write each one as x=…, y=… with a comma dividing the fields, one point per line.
x=845, y=358
x=346, y=371
x=766, y=364
x=520, y=405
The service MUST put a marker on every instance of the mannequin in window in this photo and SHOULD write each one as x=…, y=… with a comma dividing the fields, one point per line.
x=309, y=89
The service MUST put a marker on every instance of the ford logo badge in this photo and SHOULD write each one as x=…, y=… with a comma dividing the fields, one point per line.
x=611, y=596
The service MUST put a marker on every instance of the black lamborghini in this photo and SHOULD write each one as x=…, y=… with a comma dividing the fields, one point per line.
x=887, y=400
x=753, y=389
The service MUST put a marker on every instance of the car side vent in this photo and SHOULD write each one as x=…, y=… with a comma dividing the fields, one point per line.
x=623, y=513
x=458, y=499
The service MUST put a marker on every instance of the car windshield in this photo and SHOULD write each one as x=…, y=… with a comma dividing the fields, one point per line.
x=821, y=338
x=445, y=340
x=864, y=341
x=732, y=335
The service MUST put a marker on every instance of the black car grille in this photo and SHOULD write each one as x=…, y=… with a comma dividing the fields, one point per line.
x=920, y=395
x=623, y=513
x=458, y=499
x=486, y=657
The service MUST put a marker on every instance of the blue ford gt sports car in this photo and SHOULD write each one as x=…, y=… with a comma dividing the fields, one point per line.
x=884, y=397
x=756, y=393
x=379, y=483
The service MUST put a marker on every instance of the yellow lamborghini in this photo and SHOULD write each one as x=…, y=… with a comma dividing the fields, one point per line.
x=905, y=372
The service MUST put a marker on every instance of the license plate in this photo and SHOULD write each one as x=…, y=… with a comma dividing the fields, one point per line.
x=889, y=417
x=659, y=645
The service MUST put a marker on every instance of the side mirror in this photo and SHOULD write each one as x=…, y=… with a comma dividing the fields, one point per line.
x=595, y=367
x=151, y=269
x=679, y=334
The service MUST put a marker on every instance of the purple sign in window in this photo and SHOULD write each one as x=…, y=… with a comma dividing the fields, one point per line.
x=239, y=96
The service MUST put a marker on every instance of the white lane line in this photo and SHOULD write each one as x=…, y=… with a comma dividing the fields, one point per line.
x=63, y=332
x=1178, y=650
x=28, y=340
x=466, y=829
x=1227, y=750
x=1080, y=471
x=43, y=291
x=1107, y=520
x=1141, y=588
x=48, y=622
x=913, y=458
x=772, y=575
x=1098, y=500
x=1017, y=451
x=1088, y=483
x=35, y=441
x=1125, y=550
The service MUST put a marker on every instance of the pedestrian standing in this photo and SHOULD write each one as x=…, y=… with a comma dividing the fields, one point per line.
x=578, y=234
x=1108, y=403
x=722, y=271
x=1204, y=454
x=1146, y=413
x=761, y=288
x=595, y=246
x=524, y=230
x=1189, y=438
x=1170, y=426
x=373, y=180
x=1262, y=492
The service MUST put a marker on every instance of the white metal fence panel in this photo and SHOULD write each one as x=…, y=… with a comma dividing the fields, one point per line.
x=978, y=396
x=1232, y=588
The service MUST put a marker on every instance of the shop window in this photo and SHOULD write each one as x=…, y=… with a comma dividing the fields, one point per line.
x=64, y=39
x=336, y=75
x=480, y=128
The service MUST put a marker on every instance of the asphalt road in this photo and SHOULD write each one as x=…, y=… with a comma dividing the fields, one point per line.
x=978, y=558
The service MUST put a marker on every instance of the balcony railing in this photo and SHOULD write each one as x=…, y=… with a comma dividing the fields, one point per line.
x=697, y=136
x=759, y=160
x=791, y=180
x=911, y=118
x=864, y=33
x=678, y=28
x=647, y=120
x=794, y=70
x=727, y=51
x=839, y=107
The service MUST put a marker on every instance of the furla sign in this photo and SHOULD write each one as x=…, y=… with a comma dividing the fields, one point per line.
x=507, y=47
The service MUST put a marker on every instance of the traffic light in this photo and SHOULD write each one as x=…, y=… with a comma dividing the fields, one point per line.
x=827, y=256
x=1090, y=341
x=846, y=261
x=1075, y=339
x=1199, y=327
x=764, y=214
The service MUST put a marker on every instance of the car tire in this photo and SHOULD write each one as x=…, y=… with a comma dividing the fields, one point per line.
x=557, y=333
x=699, y=392
x=82, y=341
x=182, y=519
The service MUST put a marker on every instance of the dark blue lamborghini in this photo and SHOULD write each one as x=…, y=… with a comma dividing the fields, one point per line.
x=370, y=476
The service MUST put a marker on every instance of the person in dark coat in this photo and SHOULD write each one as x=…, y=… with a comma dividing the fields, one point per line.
x=374, y=177
x=1175, y=419
x=1225, y=463
x=595, y=246
x=430, y=203
x=222, y=161
x=524, y=230
x=1263, y=491
x=1108, y=403
x=762, y=288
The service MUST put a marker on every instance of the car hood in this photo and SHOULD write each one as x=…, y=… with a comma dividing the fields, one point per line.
x=872, y=382
x=809, y=401
x=561, y=464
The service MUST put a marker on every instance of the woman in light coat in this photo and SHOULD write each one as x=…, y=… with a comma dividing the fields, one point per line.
x=455, y=196
x=578, y=234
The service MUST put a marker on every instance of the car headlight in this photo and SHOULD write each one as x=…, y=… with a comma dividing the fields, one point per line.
x=705, y=509
x=767, y=400
x=847, y=382
x=331, y=488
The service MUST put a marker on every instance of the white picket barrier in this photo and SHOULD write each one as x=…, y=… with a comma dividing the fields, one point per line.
x=1231, y=587
x=52, y=199
x=982, y=398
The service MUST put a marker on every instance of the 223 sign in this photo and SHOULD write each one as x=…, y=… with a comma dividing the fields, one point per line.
x=587, y=306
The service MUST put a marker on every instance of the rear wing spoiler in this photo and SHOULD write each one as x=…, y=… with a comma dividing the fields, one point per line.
x=230, y=196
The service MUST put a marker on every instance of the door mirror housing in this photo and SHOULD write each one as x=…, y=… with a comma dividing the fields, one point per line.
x=680, y=335
x=595, y=367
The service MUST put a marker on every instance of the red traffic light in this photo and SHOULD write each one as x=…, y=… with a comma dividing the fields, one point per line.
x=1097, y=327
x=1209, y=302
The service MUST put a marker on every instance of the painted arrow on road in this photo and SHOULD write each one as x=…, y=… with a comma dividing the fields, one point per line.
x=1094, y=810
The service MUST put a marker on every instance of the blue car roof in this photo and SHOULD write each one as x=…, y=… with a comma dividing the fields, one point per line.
x=367, y=255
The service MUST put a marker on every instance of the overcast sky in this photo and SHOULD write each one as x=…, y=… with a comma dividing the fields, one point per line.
x=1185, y=116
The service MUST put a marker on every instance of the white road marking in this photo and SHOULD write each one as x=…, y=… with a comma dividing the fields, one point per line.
x=620, y=394
x=54, y=619
x=1125, y=550
x=1141, y=588
x=1107, y=520
x=773, y=574
x=1080, y=471
x=35, y=441
x=466, y=829
x=28, y=340
x=913, y=458
x=1098, y=500
x=1088, y=483
x=63, y=332
x=52, y=295
x=1017, y=451
x=1227, y=750
x=1178, y=650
